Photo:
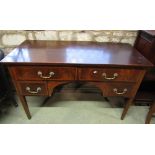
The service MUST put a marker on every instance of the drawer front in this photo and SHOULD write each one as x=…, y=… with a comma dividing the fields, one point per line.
x=32, y=88
x=118, y=89
x=43, y=73
x=98, y=74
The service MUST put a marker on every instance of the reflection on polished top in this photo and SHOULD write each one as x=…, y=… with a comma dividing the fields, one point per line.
x=73, y=52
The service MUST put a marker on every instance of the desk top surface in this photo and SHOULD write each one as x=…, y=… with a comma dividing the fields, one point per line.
x=75, y=53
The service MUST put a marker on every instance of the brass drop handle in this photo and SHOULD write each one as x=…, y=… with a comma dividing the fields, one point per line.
x=33, y=92
x=120, y=93
x=46, y=77
x=110, y=78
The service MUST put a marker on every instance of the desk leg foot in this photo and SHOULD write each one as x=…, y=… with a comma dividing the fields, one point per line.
x=25, y=106
x=125, y=110
x=148, y=118
x=149, y=115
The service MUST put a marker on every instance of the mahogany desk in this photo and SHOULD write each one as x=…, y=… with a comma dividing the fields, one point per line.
x=37, y=67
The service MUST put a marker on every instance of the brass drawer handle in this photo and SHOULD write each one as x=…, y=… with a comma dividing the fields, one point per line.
x=33, y=92
x=120, y=93
x=46, y=77
x=110, y=78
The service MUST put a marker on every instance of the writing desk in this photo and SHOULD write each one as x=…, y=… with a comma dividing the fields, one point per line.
x=37, y=67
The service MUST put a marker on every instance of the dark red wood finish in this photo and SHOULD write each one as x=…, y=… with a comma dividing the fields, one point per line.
x=76, y=53
x=33, y=86
x=37, y=67
x=98, y=74
x=150, y=113
x=145, y=44
x=32, y=73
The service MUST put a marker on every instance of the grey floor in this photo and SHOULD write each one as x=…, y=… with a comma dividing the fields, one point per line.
x=73, y=108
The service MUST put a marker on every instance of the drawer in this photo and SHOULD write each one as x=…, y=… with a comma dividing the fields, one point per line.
x=43, y=73
x=101, y=74
x=118, y=89
x=32, y=88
